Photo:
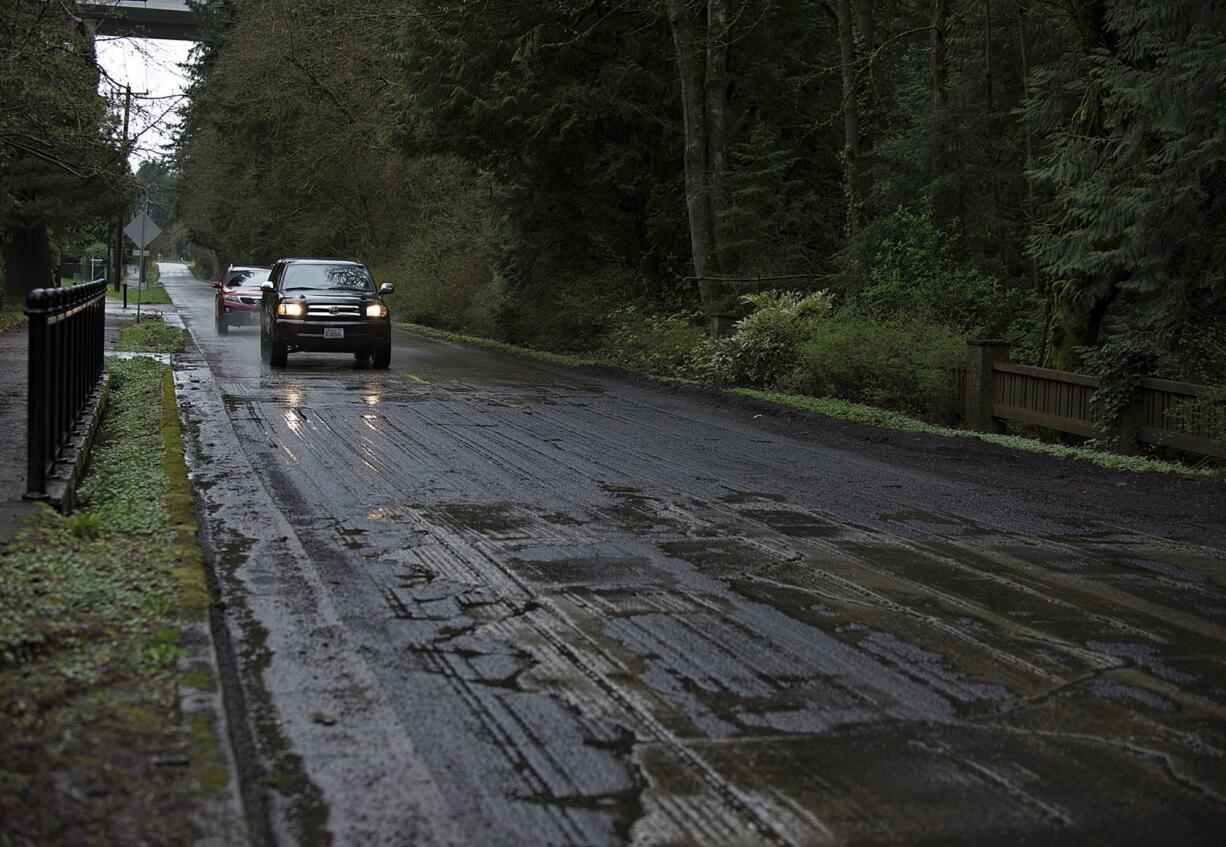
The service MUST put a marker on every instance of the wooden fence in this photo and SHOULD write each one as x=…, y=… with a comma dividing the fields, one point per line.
x=1176, y=415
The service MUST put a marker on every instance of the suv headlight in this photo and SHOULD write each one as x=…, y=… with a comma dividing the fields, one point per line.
x=376, y=310
x=291, y=310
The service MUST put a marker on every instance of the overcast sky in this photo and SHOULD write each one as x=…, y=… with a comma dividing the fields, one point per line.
x=151, y=67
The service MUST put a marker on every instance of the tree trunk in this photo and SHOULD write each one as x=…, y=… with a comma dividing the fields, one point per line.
x=693, y=121
x=717, y=121
x=987, y=62
x=940, y=70
x=704, y=107
x=1031, y=207
x=851, y=118
x=938, y=13
x=866, y=43
x=27, y=257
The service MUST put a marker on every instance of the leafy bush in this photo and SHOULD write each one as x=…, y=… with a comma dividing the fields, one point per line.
x=915, y=273
x=446, y=275
x=441, y=285
x=573, y=315
x=765, y=345
x=660, y=344
x=904, y=364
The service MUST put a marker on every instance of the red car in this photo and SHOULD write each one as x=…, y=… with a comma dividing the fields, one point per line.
x=238, y=296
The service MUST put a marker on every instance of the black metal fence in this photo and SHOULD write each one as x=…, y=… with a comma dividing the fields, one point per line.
x=66, y=363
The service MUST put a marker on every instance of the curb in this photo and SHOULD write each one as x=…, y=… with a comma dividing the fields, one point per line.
x=62, y=486
x=221, y=819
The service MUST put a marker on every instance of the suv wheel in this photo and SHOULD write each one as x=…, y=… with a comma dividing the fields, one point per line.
x=278, y=354
x=222, y=326
x=383, y=356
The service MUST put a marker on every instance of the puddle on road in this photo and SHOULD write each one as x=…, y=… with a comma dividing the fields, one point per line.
x=918, y=521
x=594, y=572
x=635, y=510
x=492, y=519
x=794, y=523
x=738, y=497
x=721, y=558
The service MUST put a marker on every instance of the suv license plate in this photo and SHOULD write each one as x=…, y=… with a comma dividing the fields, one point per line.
x=333, y=332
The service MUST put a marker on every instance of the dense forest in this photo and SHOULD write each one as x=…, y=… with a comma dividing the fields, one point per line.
x=1050, y=171
x=841, y=191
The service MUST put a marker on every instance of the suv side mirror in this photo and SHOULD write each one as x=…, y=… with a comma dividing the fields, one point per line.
x=215, y=284
x=387, y=288
x=266, y=285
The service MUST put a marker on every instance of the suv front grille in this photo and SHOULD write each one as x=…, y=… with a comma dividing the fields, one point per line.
x=333, y=313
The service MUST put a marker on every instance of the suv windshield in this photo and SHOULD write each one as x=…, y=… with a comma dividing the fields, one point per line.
x=246, y=276
x=326, y=277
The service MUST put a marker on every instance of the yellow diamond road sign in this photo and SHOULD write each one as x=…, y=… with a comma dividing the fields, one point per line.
x=141, y=229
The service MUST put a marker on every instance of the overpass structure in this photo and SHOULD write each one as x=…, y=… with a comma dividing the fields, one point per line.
x=167, y=19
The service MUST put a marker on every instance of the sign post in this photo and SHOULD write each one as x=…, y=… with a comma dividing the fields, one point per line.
x=142, y=230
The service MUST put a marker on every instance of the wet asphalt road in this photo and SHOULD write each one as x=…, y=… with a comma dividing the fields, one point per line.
x=477, y=601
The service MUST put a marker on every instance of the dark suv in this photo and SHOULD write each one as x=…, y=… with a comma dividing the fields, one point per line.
x=324, y=305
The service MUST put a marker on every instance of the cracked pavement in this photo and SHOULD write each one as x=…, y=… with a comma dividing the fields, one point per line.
x=474, y=600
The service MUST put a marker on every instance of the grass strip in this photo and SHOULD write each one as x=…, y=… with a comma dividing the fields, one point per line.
x=861, y=414
x=852, y=412
x=502, y=347
x=154, y=295
x=11, y=317
x=151, y=335
x=93, y=749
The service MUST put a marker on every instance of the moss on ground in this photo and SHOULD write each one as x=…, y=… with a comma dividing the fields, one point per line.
x=151, y=335
x=93, y=746
x=853, y=412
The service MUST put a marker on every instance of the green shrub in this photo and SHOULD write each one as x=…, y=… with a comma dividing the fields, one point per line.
x=444, y=286
x=765, y=345
x=915, y=273
x=445, y=276
x=573, y=315
x=905, y=364
x=659, y=344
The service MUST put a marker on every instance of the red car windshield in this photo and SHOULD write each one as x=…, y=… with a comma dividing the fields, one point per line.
x=246, y=277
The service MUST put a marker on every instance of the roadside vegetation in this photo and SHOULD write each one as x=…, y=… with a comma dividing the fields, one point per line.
x=11, y=317
x=93, y=748
x=154, y=295
x=151, y=335
x=831, y=407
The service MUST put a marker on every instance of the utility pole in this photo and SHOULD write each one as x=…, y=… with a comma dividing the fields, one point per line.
x=144, y=249
x=127, y=109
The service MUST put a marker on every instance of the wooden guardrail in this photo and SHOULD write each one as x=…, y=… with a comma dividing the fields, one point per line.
x=1178, y=415
x=1182, y=416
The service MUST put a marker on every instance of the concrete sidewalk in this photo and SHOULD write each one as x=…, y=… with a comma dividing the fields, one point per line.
x=14, y=355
